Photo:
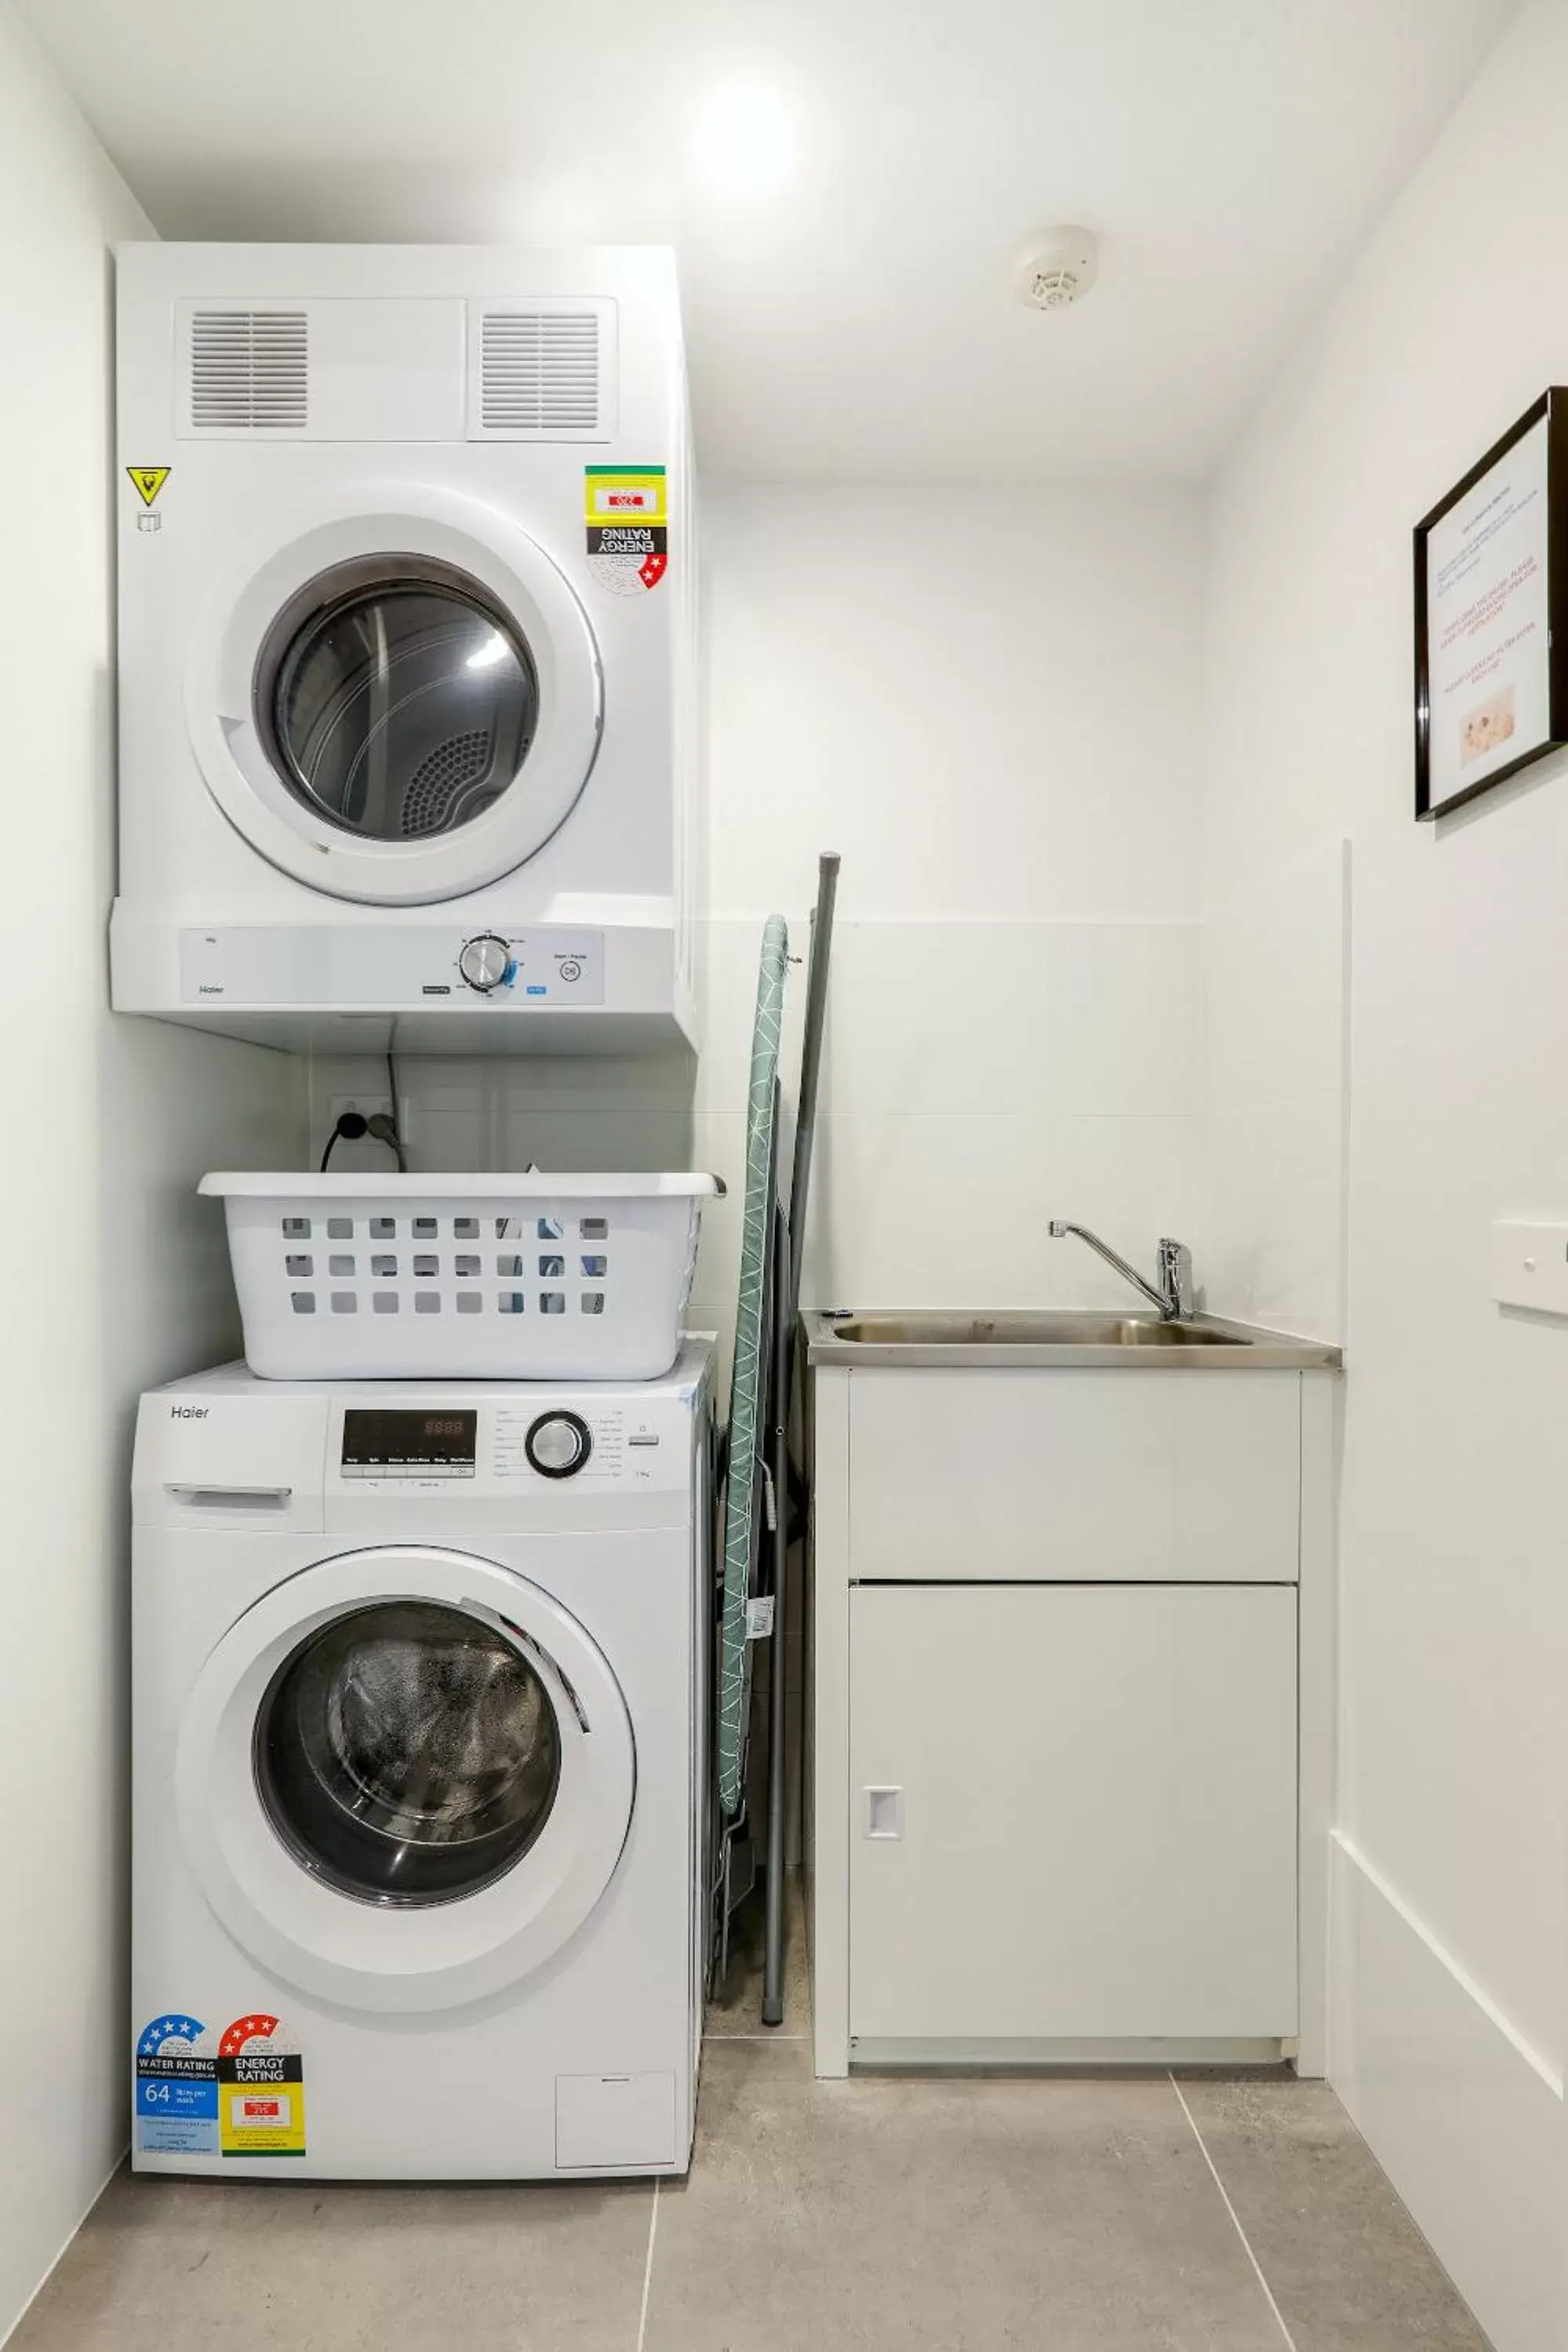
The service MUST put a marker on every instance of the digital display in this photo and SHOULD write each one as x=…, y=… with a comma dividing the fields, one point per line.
x=379, y=1442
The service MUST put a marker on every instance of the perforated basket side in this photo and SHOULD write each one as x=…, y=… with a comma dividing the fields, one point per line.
x=574, y=1286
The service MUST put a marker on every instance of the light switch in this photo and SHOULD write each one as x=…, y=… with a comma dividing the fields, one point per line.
x=1529, y=1266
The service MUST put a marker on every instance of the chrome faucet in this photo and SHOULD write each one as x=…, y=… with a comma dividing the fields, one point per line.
x=1171, y=1292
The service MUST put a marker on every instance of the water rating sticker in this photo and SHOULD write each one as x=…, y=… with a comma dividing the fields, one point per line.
x=176, y=2088
x=628, y=527
x=261, y=2089
x=149, y=480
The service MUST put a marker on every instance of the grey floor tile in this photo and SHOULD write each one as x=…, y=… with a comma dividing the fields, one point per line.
x=957, y=2214
x=1346, y=2264
x=737, y=2006
x=163, y=2265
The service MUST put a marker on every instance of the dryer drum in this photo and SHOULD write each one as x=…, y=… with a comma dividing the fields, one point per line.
x=399, y=702
x=407, y=1753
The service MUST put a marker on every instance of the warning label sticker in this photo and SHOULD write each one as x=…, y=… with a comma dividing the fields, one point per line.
x=176, y=2088
x=261, y=2089
x=628, y=527
x=149, y=480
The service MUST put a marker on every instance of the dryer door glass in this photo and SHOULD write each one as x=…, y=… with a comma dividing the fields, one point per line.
x=407, y=1753
x=396, y=700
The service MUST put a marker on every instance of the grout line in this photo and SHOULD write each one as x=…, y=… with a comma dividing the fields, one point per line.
x=1236, y=2217
x=648, y=2266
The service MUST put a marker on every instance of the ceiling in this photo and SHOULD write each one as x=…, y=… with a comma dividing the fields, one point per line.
x=855, y=322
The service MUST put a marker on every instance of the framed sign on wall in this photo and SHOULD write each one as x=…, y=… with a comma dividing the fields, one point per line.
x=1491, y=614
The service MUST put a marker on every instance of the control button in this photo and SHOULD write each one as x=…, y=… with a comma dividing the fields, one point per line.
x=571, y=969
x=558, y=1444
x=485, y=962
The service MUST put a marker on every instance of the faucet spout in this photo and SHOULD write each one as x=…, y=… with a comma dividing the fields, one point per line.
x=1171, y=1296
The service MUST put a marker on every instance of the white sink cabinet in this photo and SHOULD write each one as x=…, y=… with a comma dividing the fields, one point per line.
x=1071, y=1697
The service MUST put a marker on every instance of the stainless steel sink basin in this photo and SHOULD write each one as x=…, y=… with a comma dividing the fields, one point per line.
x=1065, y=1328
x=1053, y=1337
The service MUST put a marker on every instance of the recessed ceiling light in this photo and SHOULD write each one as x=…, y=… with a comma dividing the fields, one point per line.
x=745, y=141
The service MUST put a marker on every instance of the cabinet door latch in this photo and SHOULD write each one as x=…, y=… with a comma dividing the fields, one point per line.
x=884, y=1813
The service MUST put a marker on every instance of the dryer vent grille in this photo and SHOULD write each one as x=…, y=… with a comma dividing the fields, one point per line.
x=249, y=371
x=539, y=372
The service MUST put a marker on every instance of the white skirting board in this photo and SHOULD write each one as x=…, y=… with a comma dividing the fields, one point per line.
x=1464, y=2118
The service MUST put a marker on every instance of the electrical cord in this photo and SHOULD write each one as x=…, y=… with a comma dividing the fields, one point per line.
x=353, y=1126
x=394, y=1123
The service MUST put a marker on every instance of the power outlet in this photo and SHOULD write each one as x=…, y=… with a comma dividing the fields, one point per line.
x=366, y=1105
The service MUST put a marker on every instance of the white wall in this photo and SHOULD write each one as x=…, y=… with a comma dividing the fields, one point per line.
x=989, y=704
x=1271, y=1233
x=112, y=1277
x=1453, y=1964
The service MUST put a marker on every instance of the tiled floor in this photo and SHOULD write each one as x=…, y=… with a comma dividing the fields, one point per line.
x=931, y=2216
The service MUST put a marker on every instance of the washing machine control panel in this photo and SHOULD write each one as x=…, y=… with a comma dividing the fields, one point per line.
x=509, y=1444
x=391, y=965
x=389, y=1442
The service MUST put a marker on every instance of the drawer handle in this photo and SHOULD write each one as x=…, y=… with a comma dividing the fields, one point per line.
x=252, y=1498
x=884, y=1813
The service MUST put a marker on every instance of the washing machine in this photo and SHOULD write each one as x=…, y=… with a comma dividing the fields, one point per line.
x=418, y=1776
x=407, y=753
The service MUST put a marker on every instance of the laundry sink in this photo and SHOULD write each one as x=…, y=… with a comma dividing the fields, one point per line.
x=1060, y=1335
x=1064, y=1328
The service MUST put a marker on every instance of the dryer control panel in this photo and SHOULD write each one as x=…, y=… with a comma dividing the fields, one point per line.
x=383, y=964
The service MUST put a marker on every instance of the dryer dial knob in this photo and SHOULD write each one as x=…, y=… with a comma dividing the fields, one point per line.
x=485, y=962
x=558, y=1445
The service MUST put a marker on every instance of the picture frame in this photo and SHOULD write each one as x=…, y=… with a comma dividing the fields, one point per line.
x=1491, y=614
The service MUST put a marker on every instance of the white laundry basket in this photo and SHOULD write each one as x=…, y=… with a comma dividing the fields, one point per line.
x=462, y=1277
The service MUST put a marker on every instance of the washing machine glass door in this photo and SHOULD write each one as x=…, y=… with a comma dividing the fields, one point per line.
x=405, y=1778
x=408, y=1752
x=402, y=703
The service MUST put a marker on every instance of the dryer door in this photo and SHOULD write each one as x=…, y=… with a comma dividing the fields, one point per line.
x=402, y=704
x=404, y=1779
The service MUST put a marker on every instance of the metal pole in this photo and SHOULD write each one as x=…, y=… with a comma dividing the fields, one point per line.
x=778, y=1662
x=811, y=1066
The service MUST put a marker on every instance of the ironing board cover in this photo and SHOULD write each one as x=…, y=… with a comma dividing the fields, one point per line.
x=748, y=1382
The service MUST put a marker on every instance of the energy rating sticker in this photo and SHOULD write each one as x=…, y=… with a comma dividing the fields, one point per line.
x=261, y=2089
x=628, y=527
x=176, y=2088
x=149, y=480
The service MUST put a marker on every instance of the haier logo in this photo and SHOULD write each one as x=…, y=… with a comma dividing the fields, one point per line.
x=187, y=1412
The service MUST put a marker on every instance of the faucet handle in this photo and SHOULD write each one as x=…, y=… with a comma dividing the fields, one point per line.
x=1175, y=1260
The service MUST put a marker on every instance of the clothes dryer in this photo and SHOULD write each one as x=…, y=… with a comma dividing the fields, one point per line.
x=405, y=647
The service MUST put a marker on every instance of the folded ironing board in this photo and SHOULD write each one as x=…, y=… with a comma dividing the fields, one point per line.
x=752, y=1334
x=756, y=1557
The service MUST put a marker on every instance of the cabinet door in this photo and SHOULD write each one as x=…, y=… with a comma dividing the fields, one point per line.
x=1074, y=1811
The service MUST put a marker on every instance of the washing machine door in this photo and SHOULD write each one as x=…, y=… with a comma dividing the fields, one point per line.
x=400, y=703
x=404, y=1779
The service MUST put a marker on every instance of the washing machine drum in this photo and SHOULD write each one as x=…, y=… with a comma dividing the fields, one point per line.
x=397, y=706
x=401, y=709
x=408, y=1753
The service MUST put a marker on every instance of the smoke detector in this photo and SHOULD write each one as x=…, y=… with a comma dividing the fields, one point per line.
x=1057, y=269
